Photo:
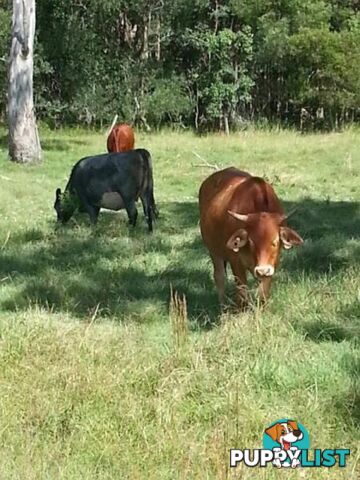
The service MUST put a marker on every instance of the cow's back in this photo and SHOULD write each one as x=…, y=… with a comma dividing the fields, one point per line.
x=121, y=139
x=217, y=190
x=92, y=175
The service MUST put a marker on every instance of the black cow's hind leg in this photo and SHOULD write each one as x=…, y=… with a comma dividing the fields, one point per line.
x=144, y=204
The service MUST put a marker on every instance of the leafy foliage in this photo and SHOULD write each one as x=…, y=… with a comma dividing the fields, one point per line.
x=208, y=64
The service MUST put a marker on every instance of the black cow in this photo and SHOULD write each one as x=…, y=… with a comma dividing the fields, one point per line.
x=111, y=180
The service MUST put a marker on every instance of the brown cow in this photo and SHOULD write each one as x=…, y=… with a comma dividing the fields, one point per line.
x=242, y=222
x=121, y=138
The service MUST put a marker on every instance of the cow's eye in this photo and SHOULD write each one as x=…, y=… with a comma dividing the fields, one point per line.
x=283, y=432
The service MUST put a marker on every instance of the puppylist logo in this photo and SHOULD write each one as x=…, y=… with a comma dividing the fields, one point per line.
x=286, y=443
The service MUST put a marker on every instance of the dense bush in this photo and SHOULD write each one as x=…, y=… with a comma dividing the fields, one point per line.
x=208, y=64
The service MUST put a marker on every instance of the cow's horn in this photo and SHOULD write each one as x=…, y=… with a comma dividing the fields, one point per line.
x=238, y=216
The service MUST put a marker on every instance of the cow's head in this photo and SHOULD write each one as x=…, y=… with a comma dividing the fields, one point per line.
x=259, y=240
x=63, y=205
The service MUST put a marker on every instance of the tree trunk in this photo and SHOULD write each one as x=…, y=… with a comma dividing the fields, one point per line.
x=226, y=124
x=24, y=144
x=197, y=109
x=158, y=38
x=216, y=26
x=145, y=49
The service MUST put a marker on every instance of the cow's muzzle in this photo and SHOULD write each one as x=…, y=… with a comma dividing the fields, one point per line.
x=264, y=271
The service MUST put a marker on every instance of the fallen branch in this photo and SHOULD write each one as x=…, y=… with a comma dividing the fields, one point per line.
x=206, y=163
x=112, y=125
x=6, y=240
x=93, y=317
x=92, y=320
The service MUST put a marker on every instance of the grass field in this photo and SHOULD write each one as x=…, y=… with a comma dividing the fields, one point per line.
x=93, y=382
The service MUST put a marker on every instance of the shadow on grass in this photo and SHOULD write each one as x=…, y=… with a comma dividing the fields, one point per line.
x=54, y=144
x=49, y=144
x=126, y=271
x=76, y=268
x=4, y=141
x=349, y=405
x=327, y=228
x=320, y=331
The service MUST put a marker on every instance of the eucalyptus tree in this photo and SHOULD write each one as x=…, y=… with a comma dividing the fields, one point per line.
x=24, y=143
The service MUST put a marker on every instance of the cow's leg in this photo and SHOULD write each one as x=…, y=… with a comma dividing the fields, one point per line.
x=219, y=277
x=241, y=284
x=131, y=211
x=144, y=204
x=93, y=213
x=91, y=210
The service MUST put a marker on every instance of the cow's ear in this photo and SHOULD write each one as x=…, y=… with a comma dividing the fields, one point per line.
x=58, y=193
x=237, y=240
x=289, y=237
x=273, y=432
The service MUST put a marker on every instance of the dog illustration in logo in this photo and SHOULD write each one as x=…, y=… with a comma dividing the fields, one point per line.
x=285, y=433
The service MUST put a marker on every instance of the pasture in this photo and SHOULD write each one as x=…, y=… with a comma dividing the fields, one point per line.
x=94, y=383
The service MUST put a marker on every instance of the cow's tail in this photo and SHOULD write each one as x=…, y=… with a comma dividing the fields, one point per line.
x=152, y=211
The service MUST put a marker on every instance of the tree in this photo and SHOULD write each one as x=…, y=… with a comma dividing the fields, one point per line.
x=214, y=64
x=24, y=143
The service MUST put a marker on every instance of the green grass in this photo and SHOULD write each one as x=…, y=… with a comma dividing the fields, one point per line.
x=92, y=382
